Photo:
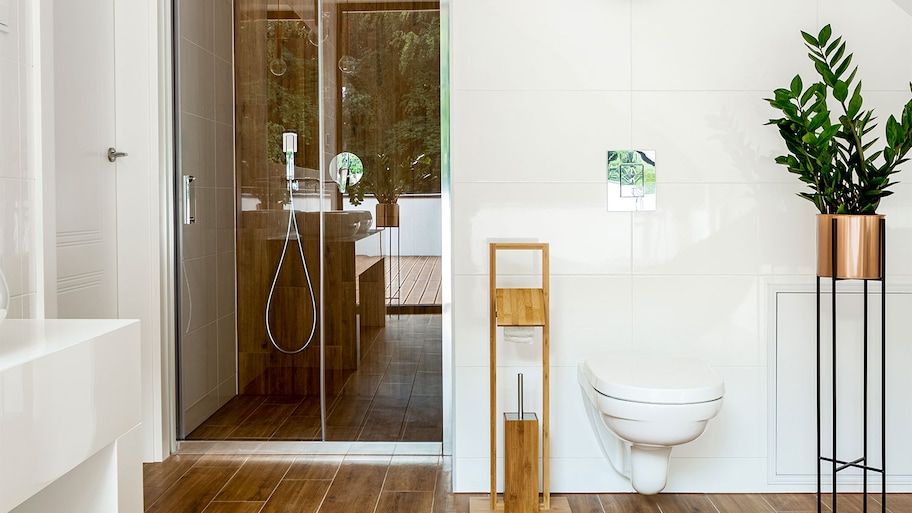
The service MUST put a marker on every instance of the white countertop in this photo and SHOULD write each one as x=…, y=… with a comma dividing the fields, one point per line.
x=25, y=340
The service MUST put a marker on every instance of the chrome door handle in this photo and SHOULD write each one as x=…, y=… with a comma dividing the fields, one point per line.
x=114, y=154
x=189, y=215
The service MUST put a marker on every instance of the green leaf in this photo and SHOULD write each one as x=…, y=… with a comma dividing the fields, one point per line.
x=833, y=45
x=854, y=105
x=844, y=66
x=894, y=132
x=806, y=97
x=824, y=35
x=824, y=71
x=811, y=40
x=818, y=121
x=838, y=55
x=840, y=90
x=796, y=86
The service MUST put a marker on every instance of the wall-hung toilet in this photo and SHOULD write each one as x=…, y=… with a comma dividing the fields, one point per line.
x=640, y=407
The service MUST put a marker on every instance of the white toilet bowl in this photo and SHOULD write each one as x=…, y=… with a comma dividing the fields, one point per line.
x=641, y=407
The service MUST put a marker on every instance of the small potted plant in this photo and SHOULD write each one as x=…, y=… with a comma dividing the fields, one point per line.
x=833, y=154
x=387, y=182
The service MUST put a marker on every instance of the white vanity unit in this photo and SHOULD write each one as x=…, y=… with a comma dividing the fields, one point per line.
x=70, y=414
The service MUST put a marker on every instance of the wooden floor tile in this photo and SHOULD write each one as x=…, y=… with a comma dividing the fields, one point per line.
x=298, y=496
x=192, y=492
x=234, y=507
x=854, y=503
x=412, y=474
x=314, y=467
x=348, y=412
x=898, y=503
x=739, y=503
x=256, y=479
x=158, y=477
x=398, y=502
x=357, y=485
x=299, y=428
x=263, y=422
x=627, y=503
x=582, y=503
x=791, y=502
x=683, y=503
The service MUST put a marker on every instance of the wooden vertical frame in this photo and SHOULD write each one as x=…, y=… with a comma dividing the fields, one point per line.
x=522, y=305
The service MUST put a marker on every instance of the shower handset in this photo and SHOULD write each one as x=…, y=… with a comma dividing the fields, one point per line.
x=290, y=147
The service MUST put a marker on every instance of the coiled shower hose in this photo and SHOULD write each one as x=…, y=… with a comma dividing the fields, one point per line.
x=292, y=223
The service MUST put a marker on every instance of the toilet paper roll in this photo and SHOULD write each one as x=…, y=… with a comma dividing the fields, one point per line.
x=519, y=334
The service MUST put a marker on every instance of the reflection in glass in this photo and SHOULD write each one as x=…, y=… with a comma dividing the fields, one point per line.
x=346, y=170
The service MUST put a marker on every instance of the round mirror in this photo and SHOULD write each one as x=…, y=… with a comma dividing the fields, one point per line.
x=346, y=169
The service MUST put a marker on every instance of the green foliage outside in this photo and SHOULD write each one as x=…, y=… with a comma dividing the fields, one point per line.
x=293, y=100
x=391, y=101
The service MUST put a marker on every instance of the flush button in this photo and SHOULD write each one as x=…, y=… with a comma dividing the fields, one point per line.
x=4, y=16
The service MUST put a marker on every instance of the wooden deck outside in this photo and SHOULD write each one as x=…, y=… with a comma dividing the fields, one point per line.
x=420, y=283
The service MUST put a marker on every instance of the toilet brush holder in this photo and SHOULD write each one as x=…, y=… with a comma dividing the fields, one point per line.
x=520, y=459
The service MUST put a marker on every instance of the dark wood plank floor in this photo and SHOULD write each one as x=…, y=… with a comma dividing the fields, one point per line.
x=193, y=483
x=396, y=395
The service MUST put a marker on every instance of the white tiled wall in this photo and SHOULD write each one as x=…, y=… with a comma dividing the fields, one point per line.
x=18, y=190
x=540, y=92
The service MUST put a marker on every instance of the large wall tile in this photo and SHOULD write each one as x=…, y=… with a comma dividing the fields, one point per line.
x=709, y=136
x=699, y=229
x=10, y=41
x=711, y=318
x=222, y=30
x=715, y=45
x=198, y=145
x=10, y=131
x=196, y=22
x=539, y=45
x=740, y=428
x=197, y=71
x=584, y=237
x=546, y=136
x=872, y=34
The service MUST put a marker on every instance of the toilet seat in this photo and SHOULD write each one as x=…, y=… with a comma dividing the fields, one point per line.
x=653, y=380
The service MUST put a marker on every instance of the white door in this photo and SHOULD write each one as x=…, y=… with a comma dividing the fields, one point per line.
x=84, y=97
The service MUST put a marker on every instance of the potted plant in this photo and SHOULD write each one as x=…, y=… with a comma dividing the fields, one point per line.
x=386, y=182
x=833, y=154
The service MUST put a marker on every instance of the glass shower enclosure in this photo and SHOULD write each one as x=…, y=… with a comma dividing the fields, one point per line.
x=283, y=289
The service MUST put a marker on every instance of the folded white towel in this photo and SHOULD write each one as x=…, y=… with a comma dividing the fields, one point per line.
x=519, y=334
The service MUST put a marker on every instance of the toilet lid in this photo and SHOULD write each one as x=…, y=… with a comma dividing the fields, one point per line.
x=653, y=380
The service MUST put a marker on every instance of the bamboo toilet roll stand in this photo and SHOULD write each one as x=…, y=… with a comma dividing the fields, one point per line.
x=520, y=307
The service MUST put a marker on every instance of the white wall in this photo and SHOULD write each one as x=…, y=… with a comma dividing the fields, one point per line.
x=419, y=227
x=19, y=175
x=539, y=94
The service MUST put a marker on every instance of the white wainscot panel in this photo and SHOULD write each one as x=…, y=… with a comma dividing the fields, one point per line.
x=70, y=415
x=793, y=446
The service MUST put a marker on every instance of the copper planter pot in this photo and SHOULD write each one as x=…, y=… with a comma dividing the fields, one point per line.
x=387, y=215
x=858, y=246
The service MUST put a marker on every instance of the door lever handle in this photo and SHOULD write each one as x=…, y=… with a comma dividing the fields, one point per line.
x=114, y=154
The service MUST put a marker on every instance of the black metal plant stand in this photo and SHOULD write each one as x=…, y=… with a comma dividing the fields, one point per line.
x=862, y=462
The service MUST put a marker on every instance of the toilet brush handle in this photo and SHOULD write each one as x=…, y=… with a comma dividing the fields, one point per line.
x=520, y=394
